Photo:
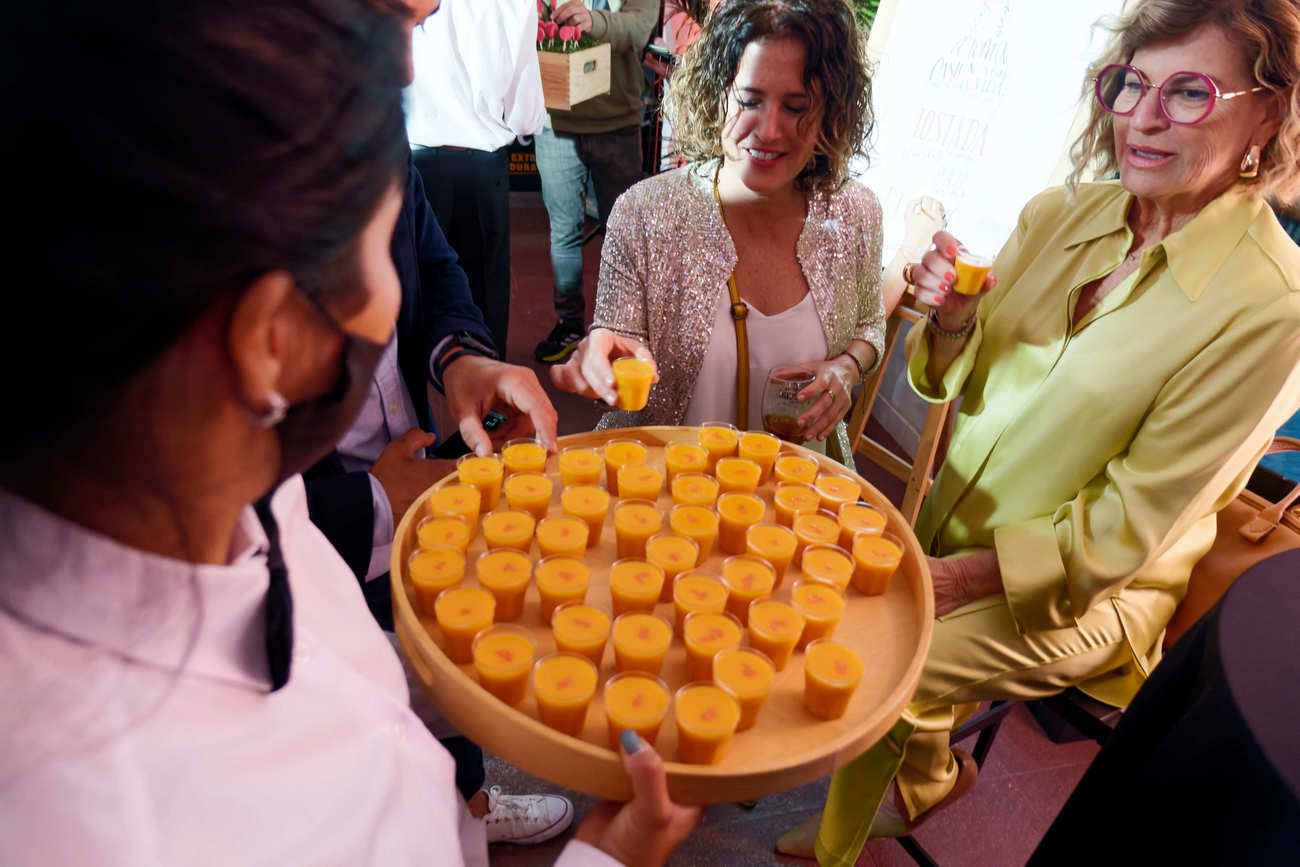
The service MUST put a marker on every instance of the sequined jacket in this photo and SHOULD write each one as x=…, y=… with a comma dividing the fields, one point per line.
x=667, y=254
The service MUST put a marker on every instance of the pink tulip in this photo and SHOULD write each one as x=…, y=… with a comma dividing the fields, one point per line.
x=541, y=33
x=569, y=33
x=552, y=29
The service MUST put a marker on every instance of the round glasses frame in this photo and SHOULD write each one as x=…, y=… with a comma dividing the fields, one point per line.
x=1211, y=87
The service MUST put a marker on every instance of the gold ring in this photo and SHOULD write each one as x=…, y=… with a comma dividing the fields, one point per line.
x=907, y=273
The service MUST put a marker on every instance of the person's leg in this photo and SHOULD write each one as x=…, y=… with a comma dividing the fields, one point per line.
x=470, y=771
x=564, y=178
x=615, y=161
x=494, y=223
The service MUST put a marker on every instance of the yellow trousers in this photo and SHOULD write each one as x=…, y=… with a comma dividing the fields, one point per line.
x=976, y=655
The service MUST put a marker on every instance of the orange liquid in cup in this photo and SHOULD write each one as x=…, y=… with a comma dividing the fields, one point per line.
x=747, y=578
x=791, y=500
x=748, y=675
x=444, y=533
x=620, y=453
x=796, y=469
x=673, y=555
x=720, y=441
x=640, y=482
x=641, y=642
x=589, y=503
x=433, y=571
x=828, y=564
x=635, y=701
x=876, y=560
x=773, y=543
x=831, y=674
x=835, y=491
x=562, y=536
x=529, y=492
x=634, y=585
x=821, y=606
x=503, y=658
x=580, y=467
x=820, y=528
x=524, y=456
x=560, y=580
x=697, y=523
x=484, y=473
x=581, y=629
x=705, y=635
x=774, y=628
x=738, y=512
x=706, y=717
x=564, y=685
x=635, y=521
x=692, y=593
x=971, y=271
x=857, y=518
x=462, y=613
x=509, y=529
x=685, y=458
x=457, y=501
x=738, y=474
x=761, y=448
x=694, y=489
x=505, y=573
x=632, y=380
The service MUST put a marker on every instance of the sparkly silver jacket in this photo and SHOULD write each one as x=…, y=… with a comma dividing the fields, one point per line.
x=667, y=255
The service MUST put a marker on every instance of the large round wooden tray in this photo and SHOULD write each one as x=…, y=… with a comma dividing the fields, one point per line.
x=787, y=748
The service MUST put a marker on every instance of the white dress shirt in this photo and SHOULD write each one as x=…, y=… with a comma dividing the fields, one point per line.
x=477, y=81
x=138, y=729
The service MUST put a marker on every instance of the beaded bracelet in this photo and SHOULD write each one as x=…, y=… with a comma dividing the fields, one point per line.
x=932, y=322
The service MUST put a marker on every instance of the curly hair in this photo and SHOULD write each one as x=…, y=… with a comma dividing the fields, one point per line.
x=1266, y=30
x=835, y=72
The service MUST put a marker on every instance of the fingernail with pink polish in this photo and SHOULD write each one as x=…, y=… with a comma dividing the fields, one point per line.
x=950, y=277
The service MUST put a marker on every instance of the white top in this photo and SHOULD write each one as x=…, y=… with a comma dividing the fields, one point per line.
x=477, y=81
x=793, y=336
x=138, y=729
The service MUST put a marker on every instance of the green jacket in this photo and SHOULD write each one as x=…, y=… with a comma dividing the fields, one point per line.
x=627, y=32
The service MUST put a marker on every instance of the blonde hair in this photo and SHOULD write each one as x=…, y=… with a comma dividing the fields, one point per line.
x=1267, y=30
x=835, y=73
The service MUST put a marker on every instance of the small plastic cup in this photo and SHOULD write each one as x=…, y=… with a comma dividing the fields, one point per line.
x=560, y=580
x=443, y=533
x=485, y=473
x=432, y=571
x=633, y=378
x=635, y=521
x=694, y=489
x=695, y=592
x=641, y=642
x=506, y=574
x=762, y=448
x=737, y=512
x=796, y=469
x=580, y=466
x=622, y=452
x=682, y=458
x=634, y=585
x=462, y=613
x=674, y=555
x=774, y=628
x=738, y=474
x=562, y=536
x=637, y=701
x=835, y=491
x=564, y=684
x=832, y=673
x=524, y=456
x=640, y=482
x=706, y=716
x=748, y=674
x=509, y=529
x=828, y=564
x=790, y=500
x=529, y=492
x=773, y=543
x=971, y=269
x=858, y=518
x=820, y=528
x=699, y=524
x=461, y=502
x=704, y=635
x=720, y=439
x=876, y=559
x=822, y=608
x=580, y=629
x=591, y=504
x=747, y=578
x=503, y=659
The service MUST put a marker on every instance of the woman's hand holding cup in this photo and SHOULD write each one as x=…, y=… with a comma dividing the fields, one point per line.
x=589, y=371
x=935, y=280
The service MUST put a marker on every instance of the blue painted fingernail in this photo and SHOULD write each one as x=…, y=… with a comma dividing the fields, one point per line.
x=631, y=742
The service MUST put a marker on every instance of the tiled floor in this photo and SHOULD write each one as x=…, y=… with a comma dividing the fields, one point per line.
x=1024, y=782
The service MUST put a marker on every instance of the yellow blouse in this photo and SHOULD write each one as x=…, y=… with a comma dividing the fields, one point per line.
x=1094, y=458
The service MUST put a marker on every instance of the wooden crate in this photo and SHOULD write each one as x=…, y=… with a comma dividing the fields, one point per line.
x=568, y=79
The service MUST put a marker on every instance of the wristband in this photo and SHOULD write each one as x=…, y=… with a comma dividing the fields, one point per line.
x=932, y=322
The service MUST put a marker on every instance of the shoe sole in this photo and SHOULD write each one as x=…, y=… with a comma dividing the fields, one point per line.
x=555, y=829
x=556, y=357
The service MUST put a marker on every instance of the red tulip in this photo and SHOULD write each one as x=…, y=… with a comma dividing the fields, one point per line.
x=569, y=33
x=541, y=33
x=552, y=29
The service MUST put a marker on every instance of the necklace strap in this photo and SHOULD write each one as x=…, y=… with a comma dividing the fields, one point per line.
x=739, y=313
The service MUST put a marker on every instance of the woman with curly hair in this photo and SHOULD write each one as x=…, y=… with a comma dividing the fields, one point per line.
x=763, y=224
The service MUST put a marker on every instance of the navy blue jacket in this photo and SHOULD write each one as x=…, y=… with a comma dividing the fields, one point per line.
x=436, y=302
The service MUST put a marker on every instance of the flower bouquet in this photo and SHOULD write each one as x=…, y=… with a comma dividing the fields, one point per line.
x=575, y=67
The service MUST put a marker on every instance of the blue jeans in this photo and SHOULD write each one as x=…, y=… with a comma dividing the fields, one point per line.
x=565, y=162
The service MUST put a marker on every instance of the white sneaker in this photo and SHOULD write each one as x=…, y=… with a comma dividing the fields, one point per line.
x=526, y=819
